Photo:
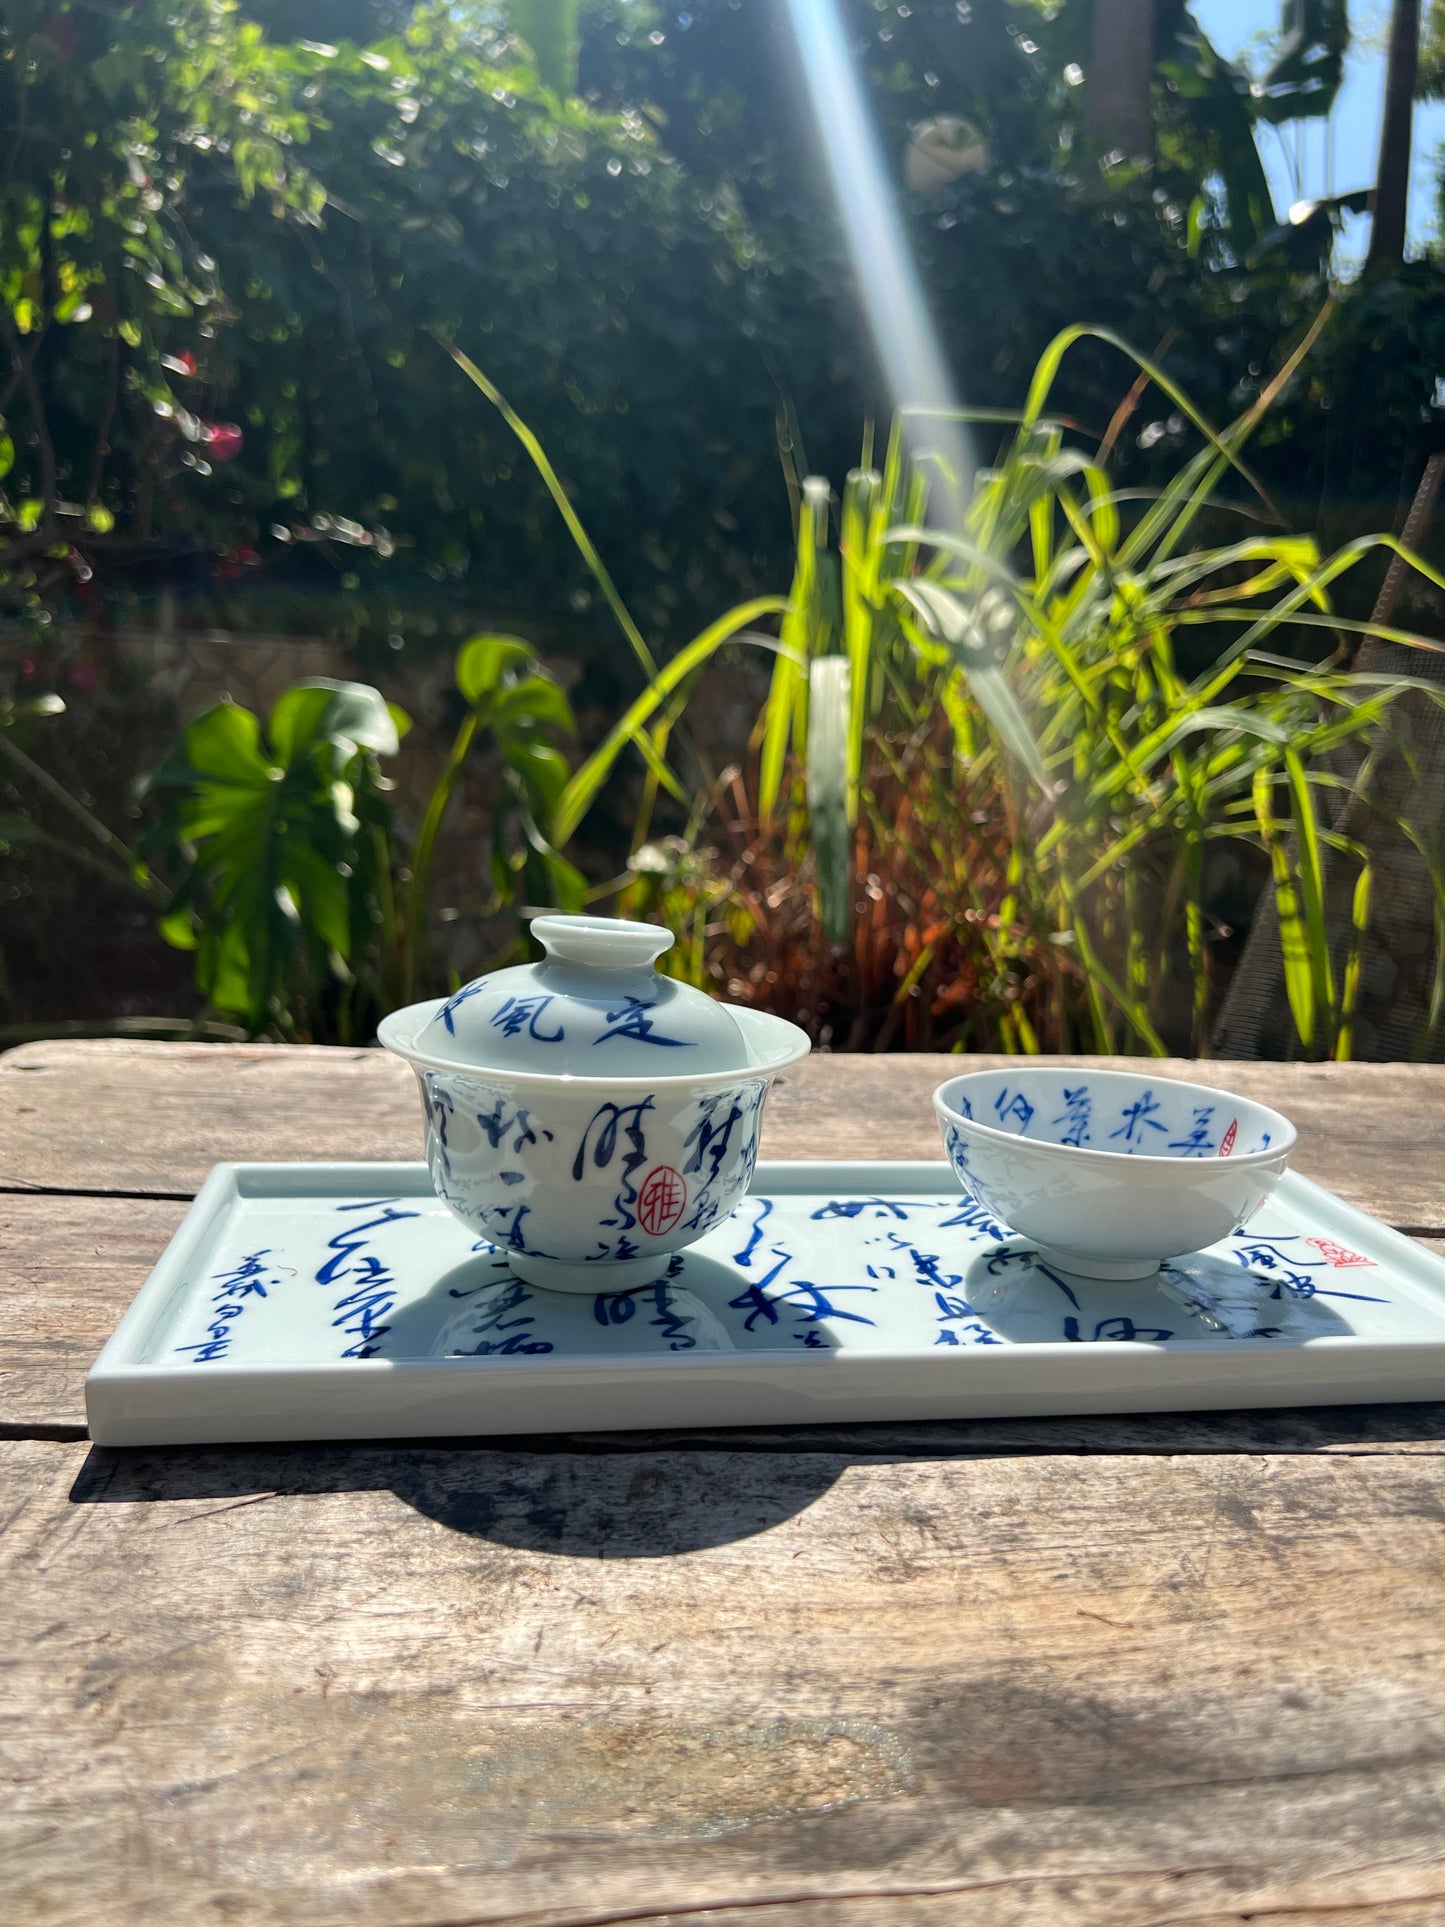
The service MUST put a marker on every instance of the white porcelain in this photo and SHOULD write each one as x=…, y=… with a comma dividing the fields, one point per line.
x=1111, y=1172
x=594, y=1007
x=343, y=1301
x=590, y=1179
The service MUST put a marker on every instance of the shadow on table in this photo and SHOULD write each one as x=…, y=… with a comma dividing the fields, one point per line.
x=583, y=1504
x=648, y=1495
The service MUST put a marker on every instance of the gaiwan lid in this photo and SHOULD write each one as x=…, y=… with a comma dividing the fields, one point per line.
x=594, y=1007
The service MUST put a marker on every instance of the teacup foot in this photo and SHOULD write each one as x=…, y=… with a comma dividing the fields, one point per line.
x=555, y=1274
x=1112, y=1270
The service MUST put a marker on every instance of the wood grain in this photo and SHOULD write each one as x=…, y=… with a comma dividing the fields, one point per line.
x=288, y=1688
x=1081, y=1673
x=151, y=1119
x=69, y=1267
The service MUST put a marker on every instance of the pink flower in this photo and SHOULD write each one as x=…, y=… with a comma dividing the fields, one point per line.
x=223, y=441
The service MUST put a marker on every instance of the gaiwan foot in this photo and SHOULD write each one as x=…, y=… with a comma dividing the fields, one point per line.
x=615, y=1275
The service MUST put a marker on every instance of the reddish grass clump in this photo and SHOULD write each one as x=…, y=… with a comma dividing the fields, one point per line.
x=936, y=962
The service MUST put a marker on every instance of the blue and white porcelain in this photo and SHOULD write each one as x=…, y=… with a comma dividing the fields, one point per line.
x=586, y=1115
x=343, y=1301
x=594, y=1007
x=1111, y=1172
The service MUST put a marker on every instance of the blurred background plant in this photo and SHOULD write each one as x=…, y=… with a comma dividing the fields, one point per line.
x=997, y=774
x=1005, y=777
x=306, y=909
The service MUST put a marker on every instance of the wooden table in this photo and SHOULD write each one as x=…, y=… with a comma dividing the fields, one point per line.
x=1178, y=1670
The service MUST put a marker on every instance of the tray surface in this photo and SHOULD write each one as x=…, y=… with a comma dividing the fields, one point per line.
x=289, y=1288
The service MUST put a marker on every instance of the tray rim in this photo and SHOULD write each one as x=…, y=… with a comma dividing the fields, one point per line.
x=1126, y=1371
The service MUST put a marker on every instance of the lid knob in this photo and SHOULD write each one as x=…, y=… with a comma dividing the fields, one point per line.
x=604, y=943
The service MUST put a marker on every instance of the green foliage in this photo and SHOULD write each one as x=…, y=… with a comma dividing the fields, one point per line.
x=1309, y=61
x=549, y=28
x=1063, y=871
x=307, y=910
x=510, y=697
x=1431, y=77
x=226, y=378
x=285, y=839
x=123, y=121
x=99, y=849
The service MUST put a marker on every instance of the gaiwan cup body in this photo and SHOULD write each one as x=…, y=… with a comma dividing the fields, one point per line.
x=1111, y=1172
x=590, y=1180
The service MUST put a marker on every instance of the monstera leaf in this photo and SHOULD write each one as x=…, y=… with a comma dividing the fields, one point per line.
x=276, y=831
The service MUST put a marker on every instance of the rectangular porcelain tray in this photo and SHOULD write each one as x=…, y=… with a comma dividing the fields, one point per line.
x=322, y=1301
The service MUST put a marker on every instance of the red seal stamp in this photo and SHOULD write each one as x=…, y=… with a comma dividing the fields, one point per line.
x=1226, y=1143
x=661, y=1199
x=1338, y=1255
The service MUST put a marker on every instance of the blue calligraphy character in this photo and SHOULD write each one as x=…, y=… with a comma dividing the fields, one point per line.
x=755, y=1300
x=347, y=1243
x=670, y=1321
x=757, y=1304
x=454, y=1003
x=440, y=1110
x=745, y=1256
x=214, y=1347
x=516, y=1014
x=1268, y=1254
x=613, y=1308
x=492, y=1317
x=1016, y=1106
x=1136, y=1117
x=1116, y=1331
x=812, y=1304
x=496, y=1124
x=855, y=1207
x=244, y=1279
x=1197, y=1142
x=514, y=1343
x=608, y=1120
x=956, y=1147
x=621, y=1250
x=1078, y=1108
x=632, y=1020
x=710, y=1136
x=973, y=1215
x=951, y=1307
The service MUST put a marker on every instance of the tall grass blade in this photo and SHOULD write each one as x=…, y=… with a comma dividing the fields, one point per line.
x=785, y=712
x=583, y=788
x=1350, y=989
x=1310, y=867
x=827, y=788
x=1299, y=978
x=559, y=495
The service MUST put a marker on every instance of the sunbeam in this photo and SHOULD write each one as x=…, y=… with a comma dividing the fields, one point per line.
x=888, y=284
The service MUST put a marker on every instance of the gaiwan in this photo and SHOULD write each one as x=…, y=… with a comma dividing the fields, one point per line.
x=586, y=1115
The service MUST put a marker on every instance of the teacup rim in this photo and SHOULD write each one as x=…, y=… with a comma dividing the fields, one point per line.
x=1135, y=1160
x=799, y=1044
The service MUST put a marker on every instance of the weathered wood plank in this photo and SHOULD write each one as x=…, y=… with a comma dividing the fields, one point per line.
x=153, y=1118
x=323, y=1685
x=69, y=1266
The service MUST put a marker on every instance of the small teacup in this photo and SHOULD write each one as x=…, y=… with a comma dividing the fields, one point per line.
x=1111, y=1172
